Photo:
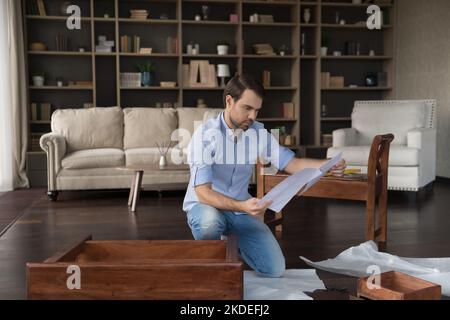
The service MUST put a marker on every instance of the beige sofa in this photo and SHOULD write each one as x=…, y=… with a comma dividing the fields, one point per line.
x=86, y=146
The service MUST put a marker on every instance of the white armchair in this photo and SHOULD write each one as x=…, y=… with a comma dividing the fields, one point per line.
x=412, y=156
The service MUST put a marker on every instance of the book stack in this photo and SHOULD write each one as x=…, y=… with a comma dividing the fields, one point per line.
x=139, y=14
x=199, y=74
x=61, y=42
x=36, y=7
x=264, y=49
x=41, y=111
x=130, y=79
x=80, y=84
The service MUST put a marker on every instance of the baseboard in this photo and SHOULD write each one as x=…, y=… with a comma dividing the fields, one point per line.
x=443, y=180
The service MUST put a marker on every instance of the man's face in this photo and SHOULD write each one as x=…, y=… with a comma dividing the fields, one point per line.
x=243, y=112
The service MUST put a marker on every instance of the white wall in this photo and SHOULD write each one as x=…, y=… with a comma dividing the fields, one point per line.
x=423, y=63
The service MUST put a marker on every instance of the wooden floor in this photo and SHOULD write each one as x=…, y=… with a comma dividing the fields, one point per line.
x=315, y=228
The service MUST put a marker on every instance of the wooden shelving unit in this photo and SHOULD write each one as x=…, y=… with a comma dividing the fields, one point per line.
x=295, y=77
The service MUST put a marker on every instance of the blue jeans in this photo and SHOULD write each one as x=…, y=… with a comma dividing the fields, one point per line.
x=257, y=245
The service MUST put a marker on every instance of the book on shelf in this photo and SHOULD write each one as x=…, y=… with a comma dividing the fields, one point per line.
x=172, y=45
x=34, y=141
x=288, y=110
x=136, y=44
x=266, y=78
x=41, y=111
x=41, y=8
x=61, y=42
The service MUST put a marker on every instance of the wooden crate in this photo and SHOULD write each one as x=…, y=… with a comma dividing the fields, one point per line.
x=138, y=269
x=399, y=286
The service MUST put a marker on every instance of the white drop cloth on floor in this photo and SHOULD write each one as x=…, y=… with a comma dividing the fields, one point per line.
x=356, y=260
x=291, y=286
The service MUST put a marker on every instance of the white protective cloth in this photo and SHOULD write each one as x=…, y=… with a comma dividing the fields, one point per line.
x=356, y=260
x=291, y=286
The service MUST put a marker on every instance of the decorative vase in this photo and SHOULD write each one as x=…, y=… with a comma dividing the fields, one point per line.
x=162, y=162
x=222, y=50
x=38, y=81
x=307, y=15
x=324, y=51
x=147, y=79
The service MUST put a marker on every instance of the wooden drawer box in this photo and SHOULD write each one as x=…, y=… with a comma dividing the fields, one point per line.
x=139, y=269
x=399, y=286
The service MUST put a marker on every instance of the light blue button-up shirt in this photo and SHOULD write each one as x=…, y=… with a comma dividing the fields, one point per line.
x=217, y=155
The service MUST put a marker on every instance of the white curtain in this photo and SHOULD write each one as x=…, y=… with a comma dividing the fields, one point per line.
x=13, y=102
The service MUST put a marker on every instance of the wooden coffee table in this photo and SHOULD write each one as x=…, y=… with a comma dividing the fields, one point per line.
x=136, y=182
x=370, y=188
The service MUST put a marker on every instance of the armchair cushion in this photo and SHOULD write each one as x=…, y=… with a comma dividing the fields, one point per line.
x=359, y=155
x=89, y=128
x=145, y=127
x=380, y=117
x=344, y=137
x=94, y=158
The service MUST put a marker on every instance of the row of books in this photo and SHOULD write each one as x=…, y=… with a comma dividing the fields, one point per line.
x=34, y=143
x=36, y=7
x=128, y=44
x=41, y=111
x=130, y=79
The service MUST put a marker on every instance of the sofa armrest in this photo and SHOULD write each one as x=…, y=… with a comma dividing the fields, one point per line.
x=55, y=147
x=344, y=137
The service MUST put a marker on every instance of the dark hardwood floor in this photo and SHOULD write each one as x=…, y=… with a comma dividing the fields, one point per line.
x=315, y=228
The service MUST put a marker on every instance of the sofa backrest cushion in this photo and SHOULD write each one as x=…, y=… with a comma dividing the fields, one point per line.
x=147, y=127
x=187, y=118
x=371, y=118
x=89, y=128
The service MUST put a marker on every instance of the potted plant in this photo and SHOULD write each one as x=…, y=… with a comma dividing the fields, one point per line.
x=39, y=78
x=147, y=70
x=324, y=47
x=222, y=48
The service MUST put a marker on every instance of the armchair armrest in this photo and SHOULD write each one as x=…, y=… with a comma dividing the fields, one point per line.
x=55, y=147
x=424, y=139
x=421, y=137
x=344, y=137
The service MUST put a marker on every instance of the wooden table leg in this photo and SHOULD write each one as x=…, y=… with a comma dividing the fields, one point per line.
x=130, y=197
x=137, y=189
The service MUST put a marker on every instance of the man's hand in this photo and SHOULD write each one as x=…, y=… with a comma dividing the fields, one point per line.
x=252, y=207
x=338, y=169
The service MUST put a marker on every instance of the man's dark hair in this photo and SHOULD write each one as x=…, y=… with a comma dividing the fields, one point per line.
x=237, y=85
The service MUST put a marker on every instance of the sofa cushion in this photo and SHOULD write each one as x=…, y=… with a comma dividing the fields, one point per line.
x=396, y=117
x=211, y=113
x=146, y=127
x=359, y=155
x=94, y=158
x=186, y=121
x=89, y=128
x=150, y=156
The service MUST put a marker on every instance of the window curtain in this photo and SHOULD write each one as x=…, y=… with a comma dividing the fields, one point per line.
x=13, y=98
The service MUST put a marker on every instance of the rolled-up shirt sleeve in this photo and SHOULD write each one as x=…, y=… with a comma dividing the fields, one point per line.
x=202, y=174
x=201, y=169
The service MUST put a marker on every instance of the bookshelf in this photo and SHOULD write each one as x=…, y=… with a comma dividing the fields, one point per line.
x=294, y=77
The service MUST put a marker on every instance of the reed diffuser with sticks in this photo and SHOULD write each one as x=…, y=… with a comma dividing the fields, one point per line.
x=163, y=149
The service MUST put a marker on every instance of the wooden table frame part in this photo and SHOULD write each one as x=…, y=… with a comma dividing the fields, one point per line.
x=371, y=188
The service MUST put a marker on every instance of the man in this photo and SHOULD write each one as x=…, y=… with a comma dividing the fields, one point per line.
x=217, y=201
